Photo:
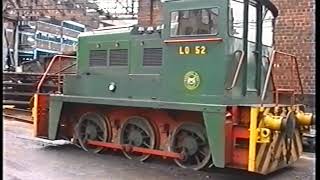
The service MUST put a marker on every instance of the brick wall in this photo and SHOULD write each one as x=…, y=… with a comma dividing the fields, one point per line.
x=149, y=13
x=78, y=15
x=295, y=34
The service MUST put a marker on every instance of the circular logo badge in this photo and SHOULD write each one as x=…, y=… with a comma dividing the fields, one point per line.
x=191, y=80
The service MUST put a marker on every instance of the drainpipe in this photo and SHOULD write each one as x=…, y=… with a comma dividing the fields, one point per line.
x=5, y=47
x=16, y=45
x=151, y=12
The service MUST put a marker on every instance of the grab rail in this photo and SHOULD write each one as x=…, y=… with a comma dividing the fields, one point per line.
x=48, y=69
x=66, y=68
x=267, y=77
x=269, y=73
x=235, y=78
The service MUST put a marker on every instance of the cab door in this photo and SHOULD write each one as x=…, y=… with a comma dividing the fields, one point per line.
x=254, y=46
x=194, y=51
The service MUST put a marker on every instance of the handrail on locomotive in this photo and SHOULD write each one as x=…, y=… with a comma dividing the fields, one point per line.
x=294, y=66
x=235, y=78
x=49, y=68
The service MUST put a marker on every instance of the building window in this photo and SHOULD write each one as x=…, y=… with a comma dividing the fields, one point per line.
x=236, y=10
x=69, y=42
x=73, y=27
x=48, y=38
x=42, y=54
x=194, y=22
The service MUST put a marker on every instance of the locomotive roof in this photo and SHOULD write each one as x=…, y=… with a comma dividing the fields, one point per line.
x=104, y=31
x=266, y=3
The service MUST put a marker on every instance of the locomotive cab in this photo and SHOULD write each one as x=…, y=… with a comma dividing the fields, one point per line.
x=228, y=42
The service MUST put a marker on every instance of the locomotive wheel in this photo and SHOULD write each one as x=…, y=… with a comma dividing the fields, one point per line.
x=92, y=126
x=137, y=131
x=190, y=140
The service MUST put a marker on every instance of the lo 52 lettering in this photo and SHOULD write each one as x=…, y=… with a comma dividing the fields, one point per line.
x=197, y=50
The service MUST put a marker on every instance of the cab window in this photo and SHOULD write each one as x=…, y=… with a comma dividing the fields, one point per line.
x=194, y=22
x=252, y=18
x=236, y=9
x=267, y=28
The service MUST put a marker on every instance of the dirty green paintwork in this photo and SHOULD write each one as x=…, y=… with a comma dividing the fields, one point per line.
x=163, y=86
x=55, y=108
x=216, y=136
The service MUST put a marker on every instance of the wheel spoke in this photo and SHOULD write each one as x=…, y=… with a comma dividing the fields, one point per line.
x=202, y=144
x=91, y=126
x=197, y=159
x=85, y=137
x=201, y=152
x=146, y=137
x=147, y=145
x=100, y=138
x=190, y=136
x=130, y=142
x=87, y=122
x=138, y=132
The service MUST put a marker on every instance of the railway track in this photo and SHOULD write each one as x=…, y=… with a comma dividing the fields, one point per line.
x=17, y=114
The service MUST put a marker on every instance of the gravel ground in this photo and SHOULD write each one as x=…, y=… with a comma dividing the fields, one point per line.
x=26, y=158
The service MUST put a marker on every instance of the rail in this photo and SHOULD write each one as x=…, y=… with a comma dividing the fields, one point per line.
x=267, y=77
x=298, y=74
x=17, y=114
x=235, y=78
x=66, y=68
x=269, y=74
x=48, y=69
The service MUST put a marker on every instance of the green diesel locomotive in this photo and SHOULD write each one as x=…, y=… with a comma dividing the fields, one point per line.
x=200, y=89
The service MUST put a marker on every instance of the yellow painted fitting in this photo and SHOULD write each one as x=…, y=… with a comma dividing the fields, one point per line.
x=253, y=138
x=284, y=112
x=267, y=110
x=276, y=110
x=305, y=119
x=272, y=122
x=35, y=114
x=265, y=133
